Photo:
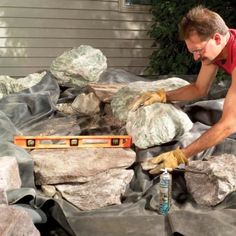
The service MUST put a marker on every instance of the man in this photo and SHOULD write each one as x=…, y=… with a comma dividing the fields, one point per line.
x=209, y=39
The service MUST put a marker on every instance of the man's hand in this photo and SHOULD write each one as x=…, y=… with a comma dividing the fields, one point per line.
x=148, y=98
x=166, y=160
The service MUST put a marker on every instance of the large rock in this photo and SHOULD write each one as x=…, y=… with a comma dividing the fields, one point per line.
x=87, y=104
x=103, y=190
x=54, y=166
x=79, y=66
x=9, y=173
x=216, y=180
x=126, y=95
x=16, y=222
x=157, y=124
x=9, y=85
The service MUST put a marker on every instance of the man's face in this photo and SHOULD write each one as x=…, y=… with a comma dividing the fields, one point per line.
x=206, y=51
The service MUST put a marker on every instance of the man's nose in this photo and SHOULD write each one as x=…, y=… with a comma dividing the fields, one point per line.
x=196, y=56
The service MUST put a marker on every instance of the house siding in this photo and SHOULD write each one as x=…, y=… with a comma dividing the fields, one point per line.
x=34, y=32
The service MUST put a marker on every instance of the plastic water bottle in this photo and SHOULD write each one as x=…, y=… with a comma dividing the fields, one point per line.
x=165, y=192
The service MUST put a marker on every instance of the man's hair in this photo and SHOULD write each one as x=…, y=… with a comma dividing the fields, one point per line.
x=202, y=21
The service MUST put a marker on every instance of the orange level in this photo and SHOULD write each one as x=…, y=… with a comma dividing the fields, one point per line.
x=32, y=142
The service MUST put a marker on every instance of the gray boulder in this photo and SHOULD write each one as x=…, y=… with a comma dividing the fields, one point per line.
x=79, y=66
x=157, y=124
x=216, y=180
x=9, y=85
x=126, y=95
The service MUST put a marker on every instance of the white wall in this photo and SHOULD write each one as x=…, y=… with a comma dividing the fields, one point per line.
x=34, y=32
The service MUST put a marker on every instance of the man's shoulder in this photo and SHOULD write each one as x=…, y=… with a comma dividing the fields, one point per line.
x=232, y=43
x=233, y=33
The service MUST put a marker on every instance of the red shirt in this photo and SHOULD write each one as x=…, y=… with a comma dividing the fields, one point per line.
x=230, y=63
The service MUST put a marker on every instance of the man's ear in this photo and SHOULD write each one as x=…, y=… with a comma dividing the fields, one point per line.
x=217, y=38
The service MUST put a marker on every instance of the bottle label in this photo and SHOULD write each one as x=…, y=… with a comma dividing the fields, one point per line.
x=165, y=193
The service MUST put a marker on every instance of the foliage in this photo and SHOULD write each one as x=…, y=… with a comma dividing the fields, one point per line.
x=171, y=55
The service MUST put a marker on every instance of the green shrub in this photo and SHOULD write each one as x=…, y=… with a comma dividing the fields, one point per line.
x=171, y=55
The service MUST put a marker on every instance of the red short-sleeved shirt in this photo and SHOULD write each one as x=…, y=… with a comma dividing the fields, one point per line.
x=230, y=62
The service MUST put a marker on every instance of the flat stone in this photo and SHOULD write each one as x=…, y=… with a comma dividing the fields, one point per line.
x=16, y=222
x=104, y=189
x=49, y=190
x=54, y=166
x=105, y=92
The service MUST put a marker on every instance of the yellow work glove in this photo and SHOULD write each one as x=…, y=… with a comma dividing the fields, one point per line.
x=166, y=160
x=148, y=98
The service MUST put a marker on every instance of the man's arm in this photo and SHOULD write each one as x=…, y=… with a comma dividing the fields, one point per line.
x=222, y=129
x=187, y=93
x=195, y=90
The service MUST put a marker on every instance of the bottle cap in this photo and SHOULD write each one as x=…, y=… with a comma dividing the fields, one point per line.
x=166, y=170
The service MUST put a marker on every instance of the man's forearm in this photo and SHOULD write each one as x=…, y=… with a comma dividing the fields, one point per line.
x=186, y=93
x=210, y=138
